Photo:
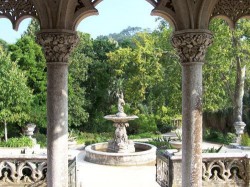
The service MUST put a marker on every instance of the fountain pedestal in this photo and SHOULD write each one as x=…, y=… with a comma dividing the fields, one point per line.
x=121, y=144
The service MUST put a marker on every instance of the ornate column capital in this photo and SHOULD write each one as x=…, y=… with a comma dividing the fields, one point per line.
x=192, y=44
x=57, y=45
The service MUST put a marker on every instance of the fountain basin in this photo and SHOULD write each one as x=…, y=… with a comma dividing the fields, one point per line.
x=120, y=119
x=97, y=153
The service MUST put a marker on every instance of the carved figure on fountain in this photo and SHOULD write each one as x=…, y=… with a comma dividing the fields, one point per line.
x=121, y=103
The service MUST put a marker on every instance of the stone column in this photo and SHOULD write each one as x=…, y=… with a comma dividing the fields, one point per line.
x=191, y=46
x=57, y=47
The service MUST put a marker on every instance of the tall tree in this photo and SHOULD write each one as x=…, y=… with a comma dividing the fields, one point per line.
x=227, y=61
x=30, y=59
x=79, y=62
x=32, y=29
x=15, y=95
x=3, y=45
x=224, y=74
x=241, y=51
x=97, y=84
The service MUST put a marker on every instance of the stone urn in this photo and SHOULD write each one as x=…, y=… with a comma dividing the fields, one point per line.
x=239, y=128
x=176, y=145
x=28, y=130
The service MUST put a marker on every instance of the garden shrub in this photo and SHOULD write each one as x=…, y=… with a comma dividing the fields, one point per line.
x=219, y=137
x=145, y=123
x=160, y=143
x=245, y=140
x=90, y=138
x=23, y=141
x=41, y=139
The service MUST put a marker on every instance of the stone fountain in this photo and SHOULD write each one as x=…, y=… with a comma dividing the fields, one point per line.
x=120, y=150
x=121, y=144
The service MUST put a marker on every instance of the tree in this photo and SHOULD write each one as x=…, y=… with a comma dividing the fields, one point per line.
x=3, y=45
x=32, y=29
x=15, y=95
x=241, y=51
x=97, y=84
x=218, y=71
x=30, y=60
x=79, y=62
x=224, y=74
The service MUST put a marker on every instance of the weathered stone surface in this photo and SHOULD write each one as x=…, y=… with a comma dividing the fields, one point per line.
x=25, y=169
x=218, y=170
x=97, y=153
x=192, y=44
x=233, y=10
x=57, y=46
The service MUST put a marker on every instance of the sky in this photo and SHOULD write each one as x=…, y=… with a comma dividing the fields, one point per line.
x=114, y=16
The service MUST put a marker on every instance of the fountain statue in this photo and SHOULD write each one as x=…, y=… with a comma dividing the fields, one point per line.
x=121, y=144
x=120, y=150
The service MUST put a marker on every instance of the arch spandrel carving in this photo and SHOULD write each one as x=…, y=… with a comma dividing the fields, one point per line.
x=184, y=14
x=56, y=14
x=16, y=11
x=64, y=14
x=164, y=9
x=84, y=9
x=231, y=10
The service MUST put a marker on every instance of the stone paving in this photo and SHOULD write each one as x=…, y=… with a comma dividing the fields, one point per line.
x=94, y=175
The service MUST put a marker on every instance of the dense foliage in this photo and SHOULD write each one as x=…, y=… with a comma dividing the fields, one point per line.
x=140, y=63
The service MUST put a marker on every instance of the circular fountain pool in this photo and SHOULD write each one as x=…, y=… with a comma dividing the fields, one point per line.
x=145, y=154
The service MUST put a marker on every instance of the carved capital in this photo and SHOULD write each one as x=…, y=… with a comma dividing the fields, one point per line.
x=16, y=11
x=57, y=45
x=192, y=45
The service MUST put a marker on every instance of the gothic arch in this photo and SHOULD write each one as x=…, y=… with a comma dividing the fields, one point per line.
x=231, y=11
x=165, y=10
x=69, y=13
x=17, y=11
x=186, y=14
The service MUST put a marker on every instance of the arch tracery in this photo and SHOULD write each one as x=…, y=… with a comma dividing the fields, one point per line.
x=231, y=10
x=16, y=11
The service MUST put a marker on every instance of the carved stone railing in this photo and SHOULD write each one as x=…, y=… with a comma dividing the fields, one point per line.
x=219, y=169
x=29, y=170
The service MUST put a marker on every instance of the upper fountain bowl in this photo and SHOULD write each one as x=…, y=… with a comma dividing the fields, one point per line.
x=120, y=117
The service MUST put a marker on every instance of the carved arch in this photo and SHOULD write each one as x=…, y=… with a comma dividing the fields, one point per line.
x=164, y=9
x=184, y=14
x=17, y=11
x=84, y=8
x=231, y=11
x=64, y=14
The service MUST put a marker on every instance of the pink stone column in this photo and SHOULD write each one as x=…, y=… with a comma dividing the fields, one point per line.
x=57, y=47
x=191, y=46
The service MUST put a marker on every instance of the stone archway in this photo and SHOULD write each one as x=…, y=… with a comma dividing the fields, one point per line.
x=58, y=20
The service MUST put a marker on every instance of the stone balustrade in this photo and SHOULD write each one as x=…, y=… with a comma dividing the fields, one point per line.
x=29, y=170
x=218, y=169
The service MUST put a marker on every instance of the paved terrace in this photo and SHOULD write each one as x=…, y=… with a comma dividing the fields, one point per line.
x=94, y=175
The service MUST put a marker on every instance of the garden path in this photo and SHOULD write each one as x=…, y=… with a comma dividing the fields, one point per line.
x=94, y=175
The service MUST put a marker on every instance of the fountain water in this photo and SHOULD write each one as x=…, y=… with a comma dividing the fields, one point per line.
x=121, y=150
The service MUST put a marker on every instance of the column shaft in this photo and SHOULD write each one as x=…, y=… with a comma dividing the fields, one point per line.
x=192, y=125
x=57, y=127
x=191, y=46
x=57, y=46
